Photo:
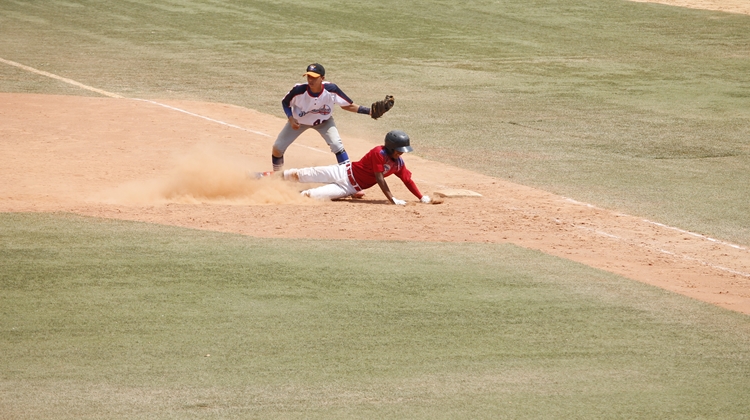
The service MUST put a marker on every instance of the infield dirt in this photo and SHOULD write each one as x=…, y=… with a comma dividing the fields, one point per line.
x=729, y=6
x=138, y=160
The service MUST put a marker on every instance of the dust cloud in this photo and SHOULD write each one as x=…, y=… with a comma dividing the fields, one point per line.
x=206, y=175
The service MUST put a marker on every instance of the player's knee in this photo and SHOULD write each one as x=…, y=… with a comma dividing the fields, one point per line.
x=291, y=175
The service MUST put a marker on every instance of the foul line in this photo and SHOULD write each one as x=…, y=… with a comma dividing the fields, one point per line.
x=664, y=251
x=202, y=116
x=114, y=95
x=62, y=79
x=686, y=232
x=697, y=235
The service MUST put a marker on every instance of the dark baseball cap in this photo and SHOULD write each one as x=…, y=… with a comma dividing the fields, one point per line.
x=315, y=70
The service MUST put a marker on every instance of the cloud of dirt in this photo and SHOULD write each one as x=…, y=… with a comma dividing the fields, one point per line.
x=205, y=175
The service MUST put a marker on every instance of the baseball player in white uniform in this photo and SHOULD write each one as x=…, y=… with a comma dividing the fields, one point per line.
x=310, y=105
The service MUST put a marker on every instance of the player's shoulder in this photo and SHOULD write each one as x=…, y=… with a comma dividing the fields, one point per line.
x=381, y=153
x=299, y=88
x=331, y=87
x=374, y=154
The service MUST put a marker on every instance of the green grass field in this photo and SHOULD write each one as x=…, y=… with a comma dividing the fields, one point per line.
x=641, y=108
x=107, y=319
x=637, y=107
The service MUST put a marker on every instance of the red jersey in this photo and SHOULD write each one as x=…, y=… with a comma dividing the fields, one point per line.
x=378, y=161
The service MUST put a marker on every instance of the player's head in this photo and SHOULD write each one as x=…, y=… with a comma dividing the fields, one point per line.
x=397, y=141
x=315, y=70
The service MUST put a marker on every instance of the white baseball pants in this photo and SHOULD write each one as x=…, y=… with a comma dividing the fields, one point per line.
x=336, y=178
x=327, y=129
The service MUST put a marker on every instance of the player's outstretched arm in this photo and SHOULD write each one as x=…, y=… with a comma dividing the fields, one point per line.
x=355, y=108
x=405, y=176
x=387, y=191
x=376, y=110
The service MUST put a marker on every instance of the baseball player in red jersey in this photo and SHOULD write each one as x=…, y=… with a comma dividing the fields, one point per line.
x=310, y=105
x=345, y=180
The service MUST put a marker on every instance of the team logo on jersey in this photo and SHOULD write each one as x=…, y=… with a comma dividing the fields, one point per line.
x=392, y=164
x=323, y=110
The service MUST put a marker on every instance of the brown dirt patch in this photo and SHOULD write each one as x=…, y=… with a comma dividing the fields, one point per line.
x=137, y=160
x=729, y=6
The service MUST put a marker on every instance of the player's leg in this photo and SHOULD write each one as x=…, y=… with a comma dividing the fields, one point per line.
x=319, y=174
x=327, y=192
x=334, y=176
x=330, y=133
x=286, y=137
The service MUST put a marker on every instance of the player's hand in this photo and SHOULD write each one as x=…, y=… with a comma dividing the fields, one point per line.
x=294, y=123
x=398, y=202
x=425, y=199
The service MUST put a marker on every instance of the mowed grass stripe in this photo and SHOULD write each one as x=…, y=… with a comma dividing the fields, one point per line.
x=129, y=320
x=637, y=107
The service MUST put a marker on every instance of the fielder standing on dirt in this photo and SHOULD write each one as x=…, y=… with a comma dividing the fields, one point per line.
x=348, y=179
x=310, y=105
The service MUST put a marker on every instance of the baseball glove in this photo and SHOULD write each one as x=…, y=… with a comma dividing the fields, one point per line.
x=381, y=107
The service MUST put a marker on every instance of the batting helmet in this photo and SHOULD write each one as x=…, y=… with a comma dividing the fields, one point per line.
x=397, y=141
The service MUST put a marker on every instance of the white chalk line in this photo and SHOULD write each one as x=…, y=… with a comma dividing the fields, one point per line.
x=60, y=78
x=114, y=95
x=686, y=232
x=697, y=235
x=220, y=122
x=718, y=267
x=202, y=116
x=664, y=251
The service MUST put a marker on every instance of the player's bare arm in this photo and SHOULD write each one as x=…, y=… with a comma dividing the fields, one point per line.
x=352, y=108
x=380, y=178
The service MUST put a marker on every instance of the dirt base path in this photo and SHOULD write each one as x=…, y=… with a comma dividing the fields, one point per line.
x=153, y=162
x=729, y=6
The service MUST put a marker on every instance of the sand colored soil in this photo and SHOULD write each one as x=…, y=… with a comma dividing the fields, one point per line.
x=729, y=6
x=151, y=161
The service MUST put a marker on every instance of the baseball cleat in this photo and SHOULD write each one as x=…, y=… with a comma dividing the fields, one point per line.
x=259, y=175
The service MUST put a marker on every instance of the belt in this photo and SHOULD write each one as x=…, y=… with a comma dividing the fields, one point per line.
x=351, y=178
